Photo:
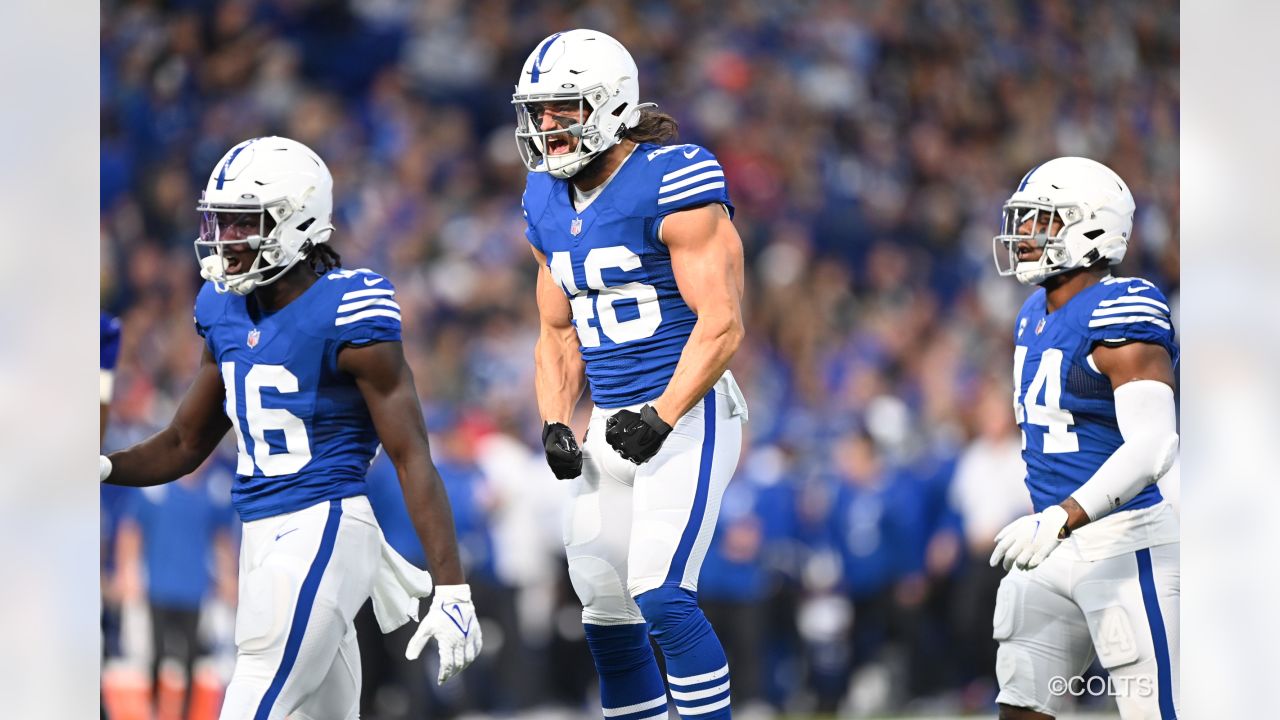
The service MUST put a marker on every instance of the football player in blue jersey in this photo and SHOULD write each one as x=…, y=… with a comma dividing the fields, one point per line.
x=1095, y=568
x=303, y=361
x=639, y=292
x=109, y=352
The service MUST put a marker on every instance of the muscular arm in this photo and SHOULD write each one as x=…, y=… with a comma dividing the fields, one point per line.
x=706, y=257
x=196, y=428
x=386, y=383
x=559, y=373
x=1142, y=378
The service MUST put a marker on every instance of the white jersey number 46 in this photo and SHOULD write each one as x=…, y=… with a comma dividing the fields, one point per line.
x=1050, y=415
x=585, y=307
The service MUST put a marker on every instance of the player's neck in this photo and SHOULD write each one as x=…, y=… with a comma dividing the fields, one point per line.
x=273, y=297
x=1059, y=289
x=603, y=167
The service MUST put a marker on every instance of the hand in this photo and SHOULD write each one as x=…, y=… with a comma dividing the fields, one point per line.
x=563, y=454
x=1027, y=541
x=636, y=436
x=104, y=468
x=452, y=622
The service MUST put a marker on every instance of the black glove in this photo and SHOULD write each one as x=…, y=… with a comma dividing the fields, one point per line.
x=636, y=435
x=563, y=454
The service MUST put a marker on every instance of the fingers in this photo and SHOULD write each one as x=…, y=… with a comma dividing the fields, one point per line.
x=1004, y=541
x=1024, y=557
x=417, y=642
x=1042, y=553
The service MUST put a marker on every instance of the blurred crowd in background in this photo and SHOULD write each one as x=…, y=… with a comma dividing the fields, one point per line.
x=868, y=147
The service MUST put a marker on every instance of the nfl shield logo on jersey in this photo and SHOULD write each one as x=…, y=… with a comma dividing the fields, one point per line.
x=575, y=227
x=253, y=337
x=1040, y=326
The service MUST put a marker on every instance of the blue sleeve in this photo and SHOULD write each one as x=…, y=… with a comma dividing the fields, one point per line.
x=690, y=177
x=530, y=232
x=367, y=311
x=209, y=305
x=1134, y=311
x=109, y=349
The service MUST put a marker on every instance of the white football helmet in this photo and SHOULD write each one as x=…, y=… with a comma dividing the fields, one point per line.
x=1092, y=203
x=583, y=66
x=276, y=178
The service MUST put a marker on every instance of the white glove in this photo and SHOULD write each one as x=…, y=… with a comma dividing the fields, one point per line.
x=104, y=468
x=1027, y=541
x=452, y=622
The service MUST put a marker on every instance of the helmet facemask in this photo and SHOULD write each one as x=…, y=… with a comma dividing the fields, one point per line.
x=273, y=258
x=1045, y=226
x=596, y=133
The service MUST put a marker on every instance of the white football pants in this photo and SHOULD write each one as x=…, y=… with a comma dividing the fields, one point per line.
x=1051, y=620
x=632, y=528
x=303, y=577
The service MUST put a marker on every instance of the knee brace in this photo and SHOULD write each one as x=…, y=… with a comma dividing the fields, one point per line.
x=600, y=590
x=674, y=618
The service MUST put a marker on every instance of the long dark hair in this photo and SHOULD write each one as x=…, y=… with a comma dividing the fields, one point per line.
x=323, y=258
x=655, y=126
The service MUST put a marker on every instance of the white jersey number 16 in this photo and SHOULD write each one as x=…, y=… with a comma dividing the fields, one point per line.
x=259, y=419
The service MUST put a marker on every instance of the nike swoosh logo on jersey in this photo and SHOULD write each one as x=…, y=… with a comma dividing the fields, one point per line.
x=374, y=282
x=1140, y=288
x=691, y=153
x=286, y=532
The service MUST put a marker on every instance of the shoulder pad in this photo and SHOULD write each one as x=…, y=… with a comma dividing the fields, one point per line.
x=1128, y=310
x=210, y=305
x=364, y=305
x=688, y=176
x=534, y=202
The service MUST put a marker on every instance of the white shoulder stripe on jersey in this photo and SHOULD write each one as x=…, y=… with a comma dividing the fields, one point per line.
x=1101, y=312
x=1130, y=319
x=691, y=180
x=367, y=293
x=383, y=302
x=366, y=314
x=688, y=169
x=1128, y=300
x=1114, y=280
x=690, y=192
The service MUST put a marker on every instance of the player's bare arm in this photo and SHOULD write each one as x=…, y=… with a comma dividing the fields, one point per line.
x=1142, y=379
x=706, y=257
x=196, y=429
x=559, y=373
x=386, y=383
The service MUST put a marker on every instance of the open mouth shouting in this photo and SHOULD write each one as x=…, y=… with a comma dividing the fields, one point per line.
x=559, y=144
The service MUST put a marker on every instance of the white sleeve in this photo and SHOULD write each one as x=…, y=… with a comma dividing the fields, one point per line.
x=106, y=385
x=1147, y=418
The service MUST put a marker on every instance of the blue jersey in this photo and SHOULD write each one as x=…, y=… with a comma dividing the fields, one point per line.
x=632, y=322
x=109, y=341
x=303, y=432
x=1064, y=405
